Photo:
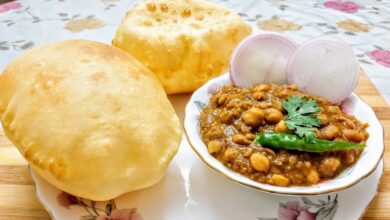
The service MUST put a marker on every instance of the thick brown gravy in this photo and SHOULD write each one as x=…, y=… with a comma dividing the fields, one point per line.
x=233, y=117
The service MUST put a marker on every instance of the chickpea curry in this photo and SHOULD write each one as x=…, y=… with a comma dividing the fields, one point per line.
x=263, y=133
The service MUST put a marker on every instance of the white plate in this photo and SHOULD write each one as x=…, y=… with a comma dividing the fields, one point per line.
x=193, y=191
x=366, y=164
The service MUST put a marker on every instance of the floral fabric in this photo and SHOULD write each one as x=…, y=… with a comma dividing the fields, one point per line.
x=364, y=24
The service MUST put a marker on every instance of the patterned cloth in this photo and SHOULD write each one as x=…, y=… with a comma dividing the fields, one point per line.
x=365, y=25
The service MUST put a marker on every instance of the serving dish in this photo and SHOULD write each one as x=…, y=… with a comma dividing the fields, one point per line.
x=192, y=191
x=353, y=105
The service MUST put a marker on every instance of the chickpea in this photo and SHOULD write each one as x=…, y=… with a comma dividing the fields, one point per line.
x=353, y=135
x=280, y=180
x=250, y=136
x=278, y=105
x=240, y=139
x=236, y=112
x=281, y=127
x=259, y=96
x=214, y=146
x=245, y=90
x=329, y=166
x=245, y=105
x=273, y=116
x=248, y=152
x=259, y=162
x=243, y=170
x=244, y=129
x=350, y=123
x=322, y=101
x=293, y=87
x=226, y=116
x=222, y=99
x=230, y=154
x=324, y=118
x=348, y=158
x=262, y=88
x=331, y=132
x=346, y=122
x=215, y=133
x=253, y=117
x=262, y=105
x=285, y=93
x=313, y=177
x=318, y=133
x=232, y=104
x=334, y=109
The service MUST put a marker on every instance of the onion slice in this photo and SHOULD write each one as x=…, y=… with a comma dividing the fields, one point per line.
x=261, y=58
x=325, y=67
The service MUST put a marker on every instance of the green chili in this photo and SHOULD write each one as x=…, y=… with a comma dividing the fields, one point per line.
x=293, y=142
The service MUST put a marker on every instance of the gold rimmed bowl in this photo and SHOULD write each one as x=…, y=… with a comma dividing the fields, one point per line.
x=365, y=165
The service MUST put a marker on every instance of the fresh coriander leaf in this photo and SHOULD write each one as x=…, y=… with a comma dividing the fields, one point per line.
x=301, y=130
x=292, y=104
x=302, y=116
x=308, y=107
x=306, y=120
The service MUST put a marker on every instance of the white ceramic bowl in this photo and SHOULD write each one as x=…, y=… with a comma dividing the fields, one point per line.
x=364, y=166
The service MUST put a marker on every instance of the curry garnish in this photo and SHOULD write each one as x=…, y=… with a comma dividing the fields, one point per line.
x=293, y=142
x=301, y=118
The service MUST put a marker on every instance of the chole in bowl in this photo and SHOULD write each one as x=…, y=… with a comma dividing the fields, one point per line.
x=364, y=165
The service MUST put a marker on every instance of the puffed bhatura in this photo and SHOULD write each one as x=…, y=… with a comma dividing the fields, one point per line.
x=184, y=42
x=89, y=118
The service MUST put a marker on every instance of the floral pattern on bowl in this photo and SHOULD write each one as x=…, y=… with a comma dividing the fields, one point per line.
x=364, y=166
